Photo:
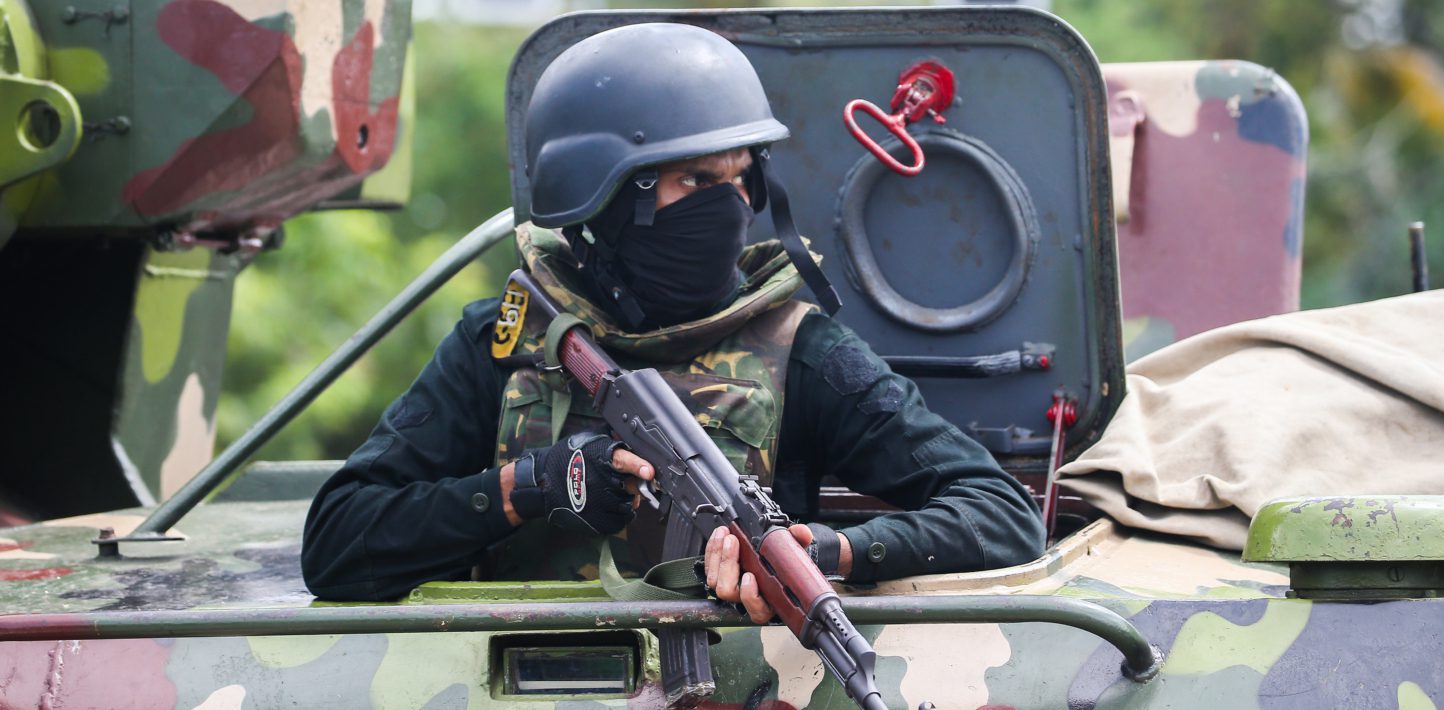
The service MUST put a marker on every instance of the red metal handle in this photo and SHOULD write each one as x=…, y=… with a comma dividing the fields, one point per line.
x=923, y=89
x=895, y=124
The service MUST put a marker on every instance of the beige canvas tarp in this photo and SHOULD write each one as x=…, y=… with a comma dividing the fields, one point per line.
x=1347, y=400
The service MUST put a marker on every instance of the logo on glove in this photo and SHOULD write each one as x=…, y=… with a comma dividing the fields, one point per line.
x=577, y=481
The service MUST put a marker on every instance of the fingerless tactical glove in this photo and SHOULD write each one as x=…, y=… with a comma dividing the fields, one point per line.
x=573, y=485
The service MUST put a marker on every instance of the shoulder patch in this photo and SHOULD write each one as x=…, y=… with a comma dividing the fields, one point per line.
x=507, y=331
x=849, y=369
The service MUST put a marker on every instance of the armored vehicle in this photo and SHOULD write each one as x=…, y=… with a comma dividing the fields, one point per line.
x=155, y=147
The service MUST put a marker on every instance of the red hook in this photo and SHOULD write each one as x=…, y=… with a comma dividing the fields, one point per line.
x=923, y=89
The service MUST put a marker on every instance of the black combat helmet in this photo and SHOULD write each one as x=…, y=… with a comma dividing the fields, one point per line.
x=614, y=105
x=633, y=97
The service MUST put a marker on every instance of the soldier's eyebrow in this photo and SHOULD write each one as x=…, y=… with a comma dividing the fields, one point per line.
x=708, y=170
x=704, y=173
x=712, y=168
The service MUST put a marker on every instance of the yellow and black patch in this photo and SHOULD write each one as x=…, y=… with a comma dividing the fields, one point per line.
x=507, y=332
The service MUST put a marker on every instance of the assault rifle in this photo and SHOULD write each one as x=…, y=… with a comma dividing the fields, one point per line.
x=707, y=492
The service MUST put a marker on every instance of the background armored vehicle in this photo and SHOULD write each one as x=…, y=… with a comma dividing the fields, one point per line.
x=992, y=277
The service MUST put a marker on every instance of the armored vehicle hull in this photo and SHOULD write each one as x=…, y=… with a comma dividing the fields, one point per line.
x=992, y=276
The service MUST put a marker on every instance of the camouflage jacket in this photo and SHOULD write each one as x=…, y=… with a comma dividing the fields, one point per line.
x=420, y=499
x=729, y=370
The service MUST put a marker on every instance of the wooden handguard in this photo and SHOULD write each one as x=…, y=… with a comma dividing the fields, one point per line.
x=584, y=360
x=780, y=565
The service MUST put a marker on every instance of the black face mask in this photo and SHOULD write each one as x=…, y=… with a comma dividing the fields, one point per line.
x=683, y=266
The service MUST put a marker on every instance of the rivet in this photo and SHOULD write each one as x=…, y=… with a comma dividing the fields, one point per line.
x=639, y=137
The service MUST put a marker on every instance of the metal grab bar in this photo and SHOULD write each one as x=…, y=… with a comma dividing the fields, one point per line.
x=449, y=264
x=1141, y=659
x=1030, y=357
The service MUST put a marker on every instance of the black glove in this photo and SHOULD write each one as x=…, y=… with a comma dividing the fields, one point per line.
x=826, y=551
x=573, y=485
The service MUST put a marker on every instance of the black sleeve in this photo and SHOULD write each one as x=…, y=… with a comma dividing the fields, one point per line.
x=846, y=413
x=417, y=502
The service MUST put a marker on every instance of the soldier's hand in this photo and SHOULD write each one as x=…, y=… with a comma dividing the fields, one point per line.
x=635, y=470
x=731, y=584
x=588, y=483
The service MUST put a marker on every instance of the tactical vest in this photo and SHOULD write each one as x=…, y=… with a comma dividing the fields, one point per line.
x=729, y=369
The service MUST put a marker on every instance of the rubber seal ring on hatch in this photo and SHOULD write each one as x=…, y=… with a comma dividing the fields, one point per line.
x=862, y=265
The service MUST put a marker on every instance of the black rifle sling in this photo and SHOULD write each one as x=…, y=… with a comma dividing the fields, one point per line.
x=792, y=241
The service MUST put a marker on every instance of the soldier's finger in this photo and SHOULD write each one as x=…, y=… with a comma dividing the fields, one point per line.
x=624, y=461
x=727, y=571
x=752, y=601
x=713, y=555
x=802, y=533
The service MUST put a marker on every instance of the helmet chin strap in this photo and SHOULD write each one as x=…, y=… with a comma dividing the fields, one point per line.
x=598, y=256
x=792, y=241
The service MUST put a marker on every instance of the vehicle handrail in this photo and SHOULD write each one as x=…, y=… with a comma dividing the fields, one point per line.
x=1141, y=660
x=154, y=528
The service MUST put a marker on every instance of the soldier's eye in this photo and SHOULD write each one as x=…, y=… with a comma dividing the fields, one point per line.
x=689, y=181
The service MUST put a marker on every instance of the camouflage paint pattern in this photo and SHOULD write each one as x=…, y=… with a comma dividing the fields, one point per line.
x=734, y=386
x=1236, y=212
x=209, y=120
x=1230, y=637
x=171, y=377
x=1374, y=528
x=285, y=103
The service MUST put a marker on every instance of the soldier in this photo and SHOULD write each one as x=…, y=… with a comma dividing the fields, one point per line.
x=646, y=149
